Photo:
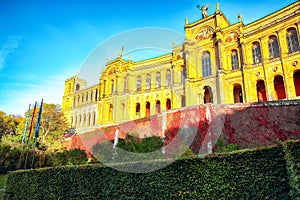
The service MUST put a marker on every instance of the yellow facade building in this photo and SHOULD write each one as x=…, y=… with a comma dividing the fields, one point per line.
x=218, y=63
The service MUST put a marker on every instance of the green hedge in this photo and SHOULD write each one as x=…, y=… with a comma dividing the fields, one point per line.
x=292, y=156
x=248, y=174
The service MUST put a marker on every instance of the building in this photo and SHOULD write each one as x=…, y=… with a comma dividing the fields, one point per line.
x=219, y=63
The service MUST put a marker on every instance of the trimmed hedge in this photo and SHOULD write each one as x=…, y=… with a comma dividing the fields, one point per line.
x=248, y=174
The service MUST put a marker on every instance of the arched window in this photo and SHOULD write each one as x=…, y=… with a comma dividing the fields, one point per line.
x=87, y=97
x=168, y=104
x=82, y=98
x=96, y=95
x=206, y=64
x=147, y=109
x=112, y=86
x=183, y=74
x=148, y=82
x=238, y=94
x=292, y=40
x=261, y=91
x=77, y=87
x=168, y=77
x=256, y=53
x=279, y=87
x=273, y=47
x=125, y=84
x=75, y=125
x=94, y=118
x=89, y=119
x=208, y=97
x=157, y=107
x=158, y=79
x=92, y=95
x=138, y=83
x=234, y=59
x=84, y=120
x=78, y=98
x=137, y=110
x=74, y=102
x=297, y=82
x=79, y=125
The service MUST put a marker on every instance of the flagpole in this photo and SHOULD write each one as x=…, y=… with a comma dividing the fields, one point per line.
x=24, y=135
x=36, y=135
x=29, y=136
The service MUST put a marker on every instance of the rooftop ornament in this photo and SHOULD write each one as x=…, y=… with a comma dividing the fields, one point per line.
x=204, y=10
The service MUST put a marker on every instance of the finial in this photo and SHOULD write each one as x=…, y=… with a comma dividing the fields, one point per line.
x=217, y=7
x=240, y=17
x=122, y=52
x=186, y=20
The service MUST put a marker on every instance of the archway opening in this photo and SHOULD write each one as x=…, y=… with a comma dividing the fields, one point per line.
x=279, y=87
x=238, y=94
x=261, y=91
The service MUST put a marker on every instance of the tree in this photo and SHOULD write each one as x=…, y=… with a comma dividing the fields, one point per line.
x=9, y=124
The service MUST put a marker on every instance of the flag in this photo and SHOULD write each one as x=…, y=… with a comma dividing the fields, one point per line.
x=26, y=125
x=37, y=127
x=32, y=122
x=116, y=138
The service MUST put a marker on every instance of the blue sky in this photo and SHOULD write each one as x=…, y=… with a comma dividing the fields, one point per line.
x=44, y=42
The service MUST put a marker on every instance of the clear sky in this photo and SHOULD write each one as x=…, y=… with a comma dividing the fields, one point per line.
x=44, y=42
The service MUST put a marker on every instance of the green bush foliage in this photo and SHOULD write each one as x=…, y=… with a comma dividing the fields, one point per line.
x=292, y=156
x=247, y=174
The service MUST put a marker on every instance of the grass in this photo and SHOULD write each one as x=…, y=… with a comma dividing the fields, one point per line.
x=3, y=178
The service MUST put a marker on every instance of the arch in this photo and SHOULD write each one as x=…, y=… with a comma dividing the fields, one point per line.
x=292, y=40
x=147, y=109
x=168, y=77
x=168, y=104
x=206, y=64
x=279, y=87
x=235, y=59
x=261, y=91
x=273, y=47
x=238, y=93
x=158, y=79
x=137, y=110
x=296, y=77
x=208, y=96
x=256, y=53
x=157, y=107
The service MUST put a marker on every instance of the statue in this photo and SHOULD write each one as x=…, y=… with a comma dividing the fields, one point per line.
x=204, y=10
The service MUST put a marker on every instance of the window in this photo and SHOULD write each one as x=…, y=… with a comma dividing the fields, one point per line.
x=92, y=95
x=279, y=87
x=86, y=97
x=94, y=118
x=297, y=82
x=292, y=40
x=77, y=87
x=158, y=80
x=74, y=103
x=148, y=82
x=89, y=119
x=256, y=53
x=273, y=47
x=78, y=98
x=112, y=86
x=234, y=59
x=168, y=77
x=206, y=64
x=138, y=83
x=82, y=97
x=96, y=95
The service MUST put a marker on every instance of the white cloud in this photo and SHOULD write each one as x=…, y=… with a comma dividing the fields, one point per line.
x=8, y=47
